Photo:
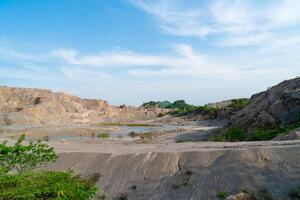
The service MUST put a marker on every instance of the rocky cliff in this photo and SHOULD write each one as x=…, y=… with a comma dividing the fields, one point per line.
x=277, y=105
x=23, y=106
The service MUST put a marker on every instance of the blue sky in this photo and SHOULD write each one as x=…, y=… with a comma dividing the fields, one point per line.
x=131, y=51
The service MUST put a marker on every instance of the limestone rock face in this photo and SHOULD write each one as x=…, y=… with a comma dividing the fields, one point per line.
x=22, y=106
x=278, y=104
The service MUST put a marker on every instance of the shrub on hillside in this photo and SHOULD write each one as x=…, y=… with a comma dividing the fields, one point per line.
x=238, y=104
x=212, y=112
x=153, y=104
x=258, y=134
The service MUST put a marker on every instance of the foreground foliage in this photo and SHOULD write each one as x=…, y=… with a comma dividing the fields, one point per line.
x=19, y=182
x=20, y=157
x=45, y=185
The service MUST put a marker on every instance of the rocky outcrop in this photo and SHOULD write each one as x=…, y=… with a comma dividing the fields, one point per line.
x=277, y=105
x=24, y=106
x=241, y=196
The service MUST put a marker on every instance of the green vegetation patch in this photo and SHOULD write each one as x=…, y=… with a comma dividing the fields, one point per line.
x=212, y=112
x=125, y=124
x=103, y=135
x=45, y=185
x=18, y=181
x=156, y=104
x=238, y=104
x=24, y=157
x=222, y=195
x=181, y=108
x=236, y=134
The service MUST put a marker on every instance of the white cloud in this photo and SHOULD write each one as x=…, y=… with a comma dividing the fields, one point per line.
x=173, y=21
x=187, y=62
x=107, y=59
x=184, y=62
x=285, y=12
x=235, y=22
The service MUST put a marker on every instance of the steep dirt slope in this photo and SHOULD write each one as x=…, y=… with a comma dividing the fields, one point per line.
x=43, y=107
x=189, y=171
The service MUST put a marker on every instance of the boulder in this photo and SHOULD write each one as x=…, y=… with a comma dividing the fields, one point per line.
x=241, y=196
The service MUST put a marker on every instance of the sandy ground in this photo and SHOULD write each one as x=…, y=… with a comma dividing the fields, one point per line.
x=118, y=147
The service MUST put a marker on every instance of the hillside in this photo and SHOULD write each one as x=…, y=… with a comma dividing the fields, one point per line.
x=279, y=104
x=268, y=114
x=184, y=171
x=24, y=106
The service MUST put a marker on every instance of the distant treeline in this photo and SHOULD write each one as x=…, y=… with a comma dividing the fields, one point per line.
x=180, y=107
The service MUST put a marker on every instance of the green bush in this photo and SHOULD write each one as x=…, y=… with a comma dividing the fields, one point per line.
x=268, y=134
x=103, y=135
x=231, y=135
x=181, y=141
x=21, y=157
x=160, y=115
x=238, y=104
x=133, y=134
x=45, y=186
x=212, y=112
x=222, y=195
x=159, y=104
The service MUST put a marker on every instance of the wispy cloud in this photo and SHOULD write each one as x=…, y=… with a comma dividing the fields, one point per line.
x=110, y=59
x=234, y=22
x=186, y=62
x=72, y=64
x=184, y=67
